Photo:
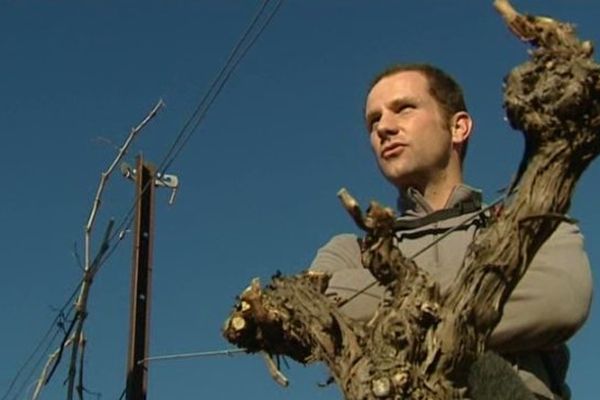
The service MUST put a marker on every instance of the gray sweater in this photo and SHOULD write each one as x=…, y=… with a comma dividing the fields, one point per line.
x=549, y=304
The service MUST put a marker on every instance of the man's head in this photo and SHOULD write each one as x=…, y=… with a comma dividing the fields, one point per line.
x=418, y=125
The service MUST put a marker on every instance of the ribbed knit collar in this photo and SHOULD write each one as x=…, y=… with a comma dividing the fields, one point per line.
x=412, y=202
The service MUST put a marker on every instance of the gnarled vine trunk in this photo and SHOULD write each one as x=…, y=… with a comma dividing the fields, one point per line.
x=422, y=343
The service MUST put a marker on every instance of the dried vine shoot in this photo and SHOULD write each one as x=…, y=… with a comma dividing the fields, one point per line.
x=422, y=344
x=76, y=339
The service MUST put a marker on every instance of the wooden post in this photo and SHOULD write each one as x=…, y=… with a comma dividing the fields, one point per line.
x=141, y=283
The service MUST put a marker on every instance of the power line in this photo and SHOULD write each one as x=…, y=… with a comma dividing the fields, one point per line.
x=225, y=74
x=26, y=381
x=196, y=114
x=185, y=134
x=235, y=57
x=183, y=137
x=61, y=314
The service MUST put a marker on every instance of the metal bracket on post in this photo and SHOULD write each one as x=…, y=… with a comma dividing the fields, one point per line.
x=162, y=180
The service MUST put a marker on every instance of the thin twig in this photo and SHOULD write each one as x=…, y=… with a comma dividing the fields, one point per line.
x=274, y=370
x=77, y=257
x=81, y=306
x=105, y=175
x=45, y=376
x=81, y=357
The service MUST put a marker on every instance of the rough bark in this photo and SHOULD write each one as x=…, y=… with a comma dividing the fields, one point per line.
x=421, y=344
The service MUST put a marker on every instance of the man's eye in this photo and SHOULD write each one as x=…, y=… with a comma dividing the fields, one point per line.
x=372, y=124
x=404, y=107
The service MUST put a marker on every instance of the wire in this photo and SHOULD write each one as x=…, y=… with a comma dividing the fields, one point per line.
x=35, y=367
x=179, y=356
x=213, y=85
x=53, y=325
x=218, y=83
x=226, y=76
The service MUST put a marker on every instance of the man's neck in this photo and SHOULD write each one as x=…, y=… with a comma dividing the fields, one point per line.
x=436, y=194
x=437, y=197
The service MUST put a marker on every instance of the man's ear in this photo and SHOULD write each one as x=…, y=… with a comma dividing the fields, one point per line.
x=461, y=126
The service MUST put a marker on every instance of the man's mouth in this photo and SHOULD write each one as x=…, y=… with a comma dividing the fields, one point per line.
x=392, y=150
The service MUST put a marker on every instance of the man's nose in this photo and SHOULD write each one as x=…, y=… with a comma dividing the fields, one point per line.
x=386, y=127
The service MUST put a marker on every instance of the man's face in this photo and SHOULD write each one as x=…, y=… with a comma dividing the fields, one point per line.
x=409, y=135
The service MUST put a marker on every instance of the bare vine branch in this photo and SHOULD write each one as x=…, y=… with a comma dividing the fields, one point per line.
x=53, y=360
x=106, y=175
x=91, y=266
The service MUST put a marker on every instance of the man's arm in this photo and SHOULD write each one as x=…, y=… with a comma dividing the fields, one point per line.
x=546, y=308
x=341, y=258
x=552, y=300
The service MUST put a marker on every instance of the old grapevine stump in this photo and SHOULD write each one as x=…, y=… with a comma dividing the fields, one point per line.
x=422, y=343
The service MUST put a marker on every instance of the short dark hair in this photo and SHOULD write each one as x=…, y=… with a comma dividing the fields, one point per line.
x=442, y=87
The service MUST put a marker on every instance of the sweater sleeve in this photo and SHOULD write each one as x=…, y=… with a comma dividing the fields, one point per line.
x=341, y=258
x=552, y=300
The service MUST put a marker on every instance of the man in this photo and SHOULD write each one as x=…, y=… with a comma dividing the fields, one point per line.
x=419, y=128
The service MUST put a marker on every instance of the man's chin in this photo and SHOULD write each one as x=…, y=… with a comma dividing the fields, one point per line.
x=401, y=181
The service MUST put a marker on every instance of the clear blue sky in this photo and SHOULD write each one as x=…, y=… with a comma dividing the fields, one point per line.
x=258, y=179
